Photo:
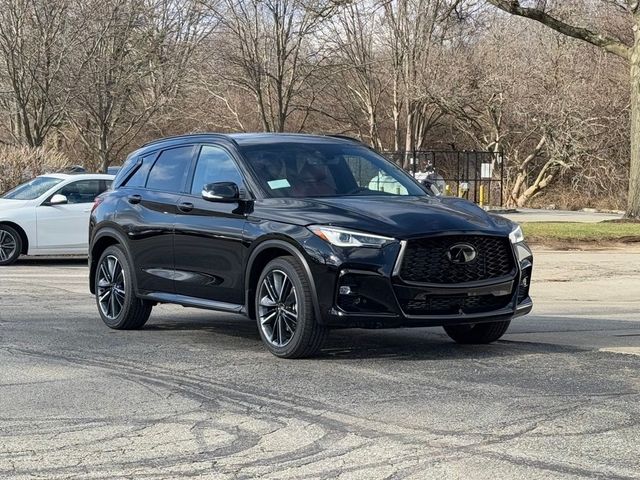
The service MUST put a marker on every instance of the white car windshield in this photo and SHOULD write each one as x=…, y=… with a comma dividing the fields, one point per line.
x=32, y=189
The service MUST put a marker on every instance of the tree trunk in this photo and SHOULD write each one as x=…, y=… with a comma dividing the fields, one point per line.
x=515, y=190
x=633, y=201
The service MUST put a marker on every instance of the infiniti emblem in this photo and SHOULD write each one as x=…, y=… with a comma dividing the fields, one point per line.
x=461, y=253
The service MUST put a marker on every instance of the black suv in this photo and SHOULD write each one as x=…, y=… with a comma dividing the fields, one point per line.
x=302, y=233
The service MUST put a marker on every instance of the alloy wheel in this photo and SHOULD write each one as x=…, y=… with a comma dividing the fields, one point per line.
x=278, y=308
x=8, y=245
x=111, y=287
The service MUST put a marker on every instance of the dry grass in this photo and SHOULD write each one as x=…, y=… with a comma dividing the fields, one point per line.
x=19, y=164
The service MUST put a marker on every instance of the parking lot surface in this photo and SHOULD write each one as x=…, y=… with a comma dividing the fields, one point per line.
x=541, y=215
x=195, y=394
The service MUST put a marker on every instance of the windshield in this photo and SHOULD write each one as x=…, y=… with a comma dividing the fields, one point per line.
x=32, y=189
x=326, y=170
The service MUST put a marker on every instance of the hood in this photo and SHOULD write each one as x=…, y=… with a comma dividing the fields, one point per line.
x=6, y=205
x=398, y=217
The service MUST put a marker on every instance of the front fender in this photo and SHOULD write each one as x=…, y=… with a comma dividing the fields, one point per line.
x=280, y=243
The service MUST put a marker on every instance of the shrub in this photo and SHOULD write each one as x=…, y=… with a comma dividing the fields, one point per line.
x=19, y=164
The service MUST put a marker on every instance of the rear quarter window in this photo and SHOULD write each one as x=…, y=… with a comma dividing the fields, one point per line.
x=139, y=177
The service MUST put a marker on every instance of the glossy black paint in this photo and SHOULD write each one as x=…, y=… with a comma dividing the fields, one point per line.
x=147, y=219
x=207, y=259
x=196, y=252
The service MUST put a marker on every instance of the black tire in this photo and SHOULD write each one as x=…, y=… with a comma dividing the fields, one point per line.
x=304, y=336
x=477, y=333
x=10, y=245
x=133, y=312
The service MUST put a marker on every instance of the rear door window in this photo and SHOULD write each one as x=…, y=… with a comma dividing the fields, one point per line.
x=170, y=170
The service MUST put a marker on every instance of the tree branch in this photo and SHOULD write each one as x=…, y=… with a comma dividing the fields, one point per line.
x=607, y=43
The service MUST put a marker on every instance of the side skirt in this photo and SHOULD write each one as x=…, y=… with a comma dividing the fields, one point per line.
x=186, y=301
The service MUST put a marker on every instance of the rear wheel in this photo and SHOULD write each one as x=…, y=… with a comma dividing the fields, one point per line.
x=118, y=306
x=477, y=333
x=10, y=245
x=284, y=310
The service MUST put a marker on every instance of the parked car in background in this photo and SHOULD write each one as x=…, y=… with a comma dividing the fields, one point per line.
x=49, y=215
x=302, y=233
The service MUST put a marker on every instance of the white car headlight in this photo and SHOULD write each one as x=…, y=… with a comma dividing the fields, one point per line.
x=516, y=236
x=341, y=237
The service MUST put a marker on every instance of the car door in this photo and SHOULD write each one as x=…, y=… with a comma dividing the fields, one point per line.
x=209, y=254
x=66, y=226
x=147, y=215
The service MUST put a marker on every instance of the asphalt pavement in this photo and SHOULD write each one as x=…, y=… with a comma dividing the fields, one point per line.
x=541, y=215
x=195, y=393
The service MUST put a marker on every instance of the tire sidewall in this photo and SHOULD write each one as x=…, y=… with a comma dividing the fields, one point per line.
x=119, y=321
x=18, y=239
x=305, y=310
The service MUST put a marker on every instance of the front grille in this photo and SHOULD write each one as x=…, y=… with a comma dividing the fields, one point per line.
x=425, y=260
x=453, y=305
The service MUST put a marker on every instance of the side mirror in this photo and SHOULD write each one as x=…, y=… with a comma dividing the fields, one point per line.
x=225, y=192
x=58, y=199
x=432, y=188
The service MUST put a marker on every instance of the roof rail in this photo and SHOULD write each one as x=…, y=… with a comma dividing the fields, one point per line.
x=344, y=137
x=185, y=135
x=347, y=137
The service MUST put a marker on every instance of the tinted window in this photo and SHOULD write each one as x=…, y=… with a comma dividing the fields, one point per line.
x=214, y=165
x=139, y=177
x=170, y=170
x=84, y=191
x=326, y=169
x=32, y=189
x=369, y=176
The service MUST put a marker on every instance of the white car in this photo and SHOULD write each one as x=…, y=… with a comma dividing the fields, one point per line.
x=49, y=215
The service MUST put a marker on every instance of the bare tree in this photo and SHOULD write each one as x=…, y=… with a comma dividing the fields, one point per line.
x=532, y=107
x=35, y=40
x=132, y=64
x=417, y=39
x=273, y=50
x=358, y=63
x=629, y=51
x=99, y=76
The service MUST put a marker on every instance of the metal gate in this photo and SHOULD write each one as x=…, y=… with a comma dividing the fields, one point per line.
x=474, y=175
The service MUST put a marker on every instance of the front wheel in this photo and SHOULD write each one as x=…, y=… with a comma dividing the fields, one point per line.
x=477, y=333
x=118, y=306
x=284, y=310
x=10, y=245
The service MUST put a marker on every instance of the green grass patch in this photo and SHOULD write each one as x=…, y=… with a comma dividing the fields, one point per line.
x=604, y=232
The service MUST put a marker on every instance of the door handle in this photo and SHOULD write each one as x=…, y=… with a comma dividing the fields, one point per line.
x=135, y=199
x=185, y=207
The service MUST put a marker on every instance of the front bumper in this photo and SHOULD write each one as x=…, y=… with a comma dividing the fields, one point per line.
x=362, y=288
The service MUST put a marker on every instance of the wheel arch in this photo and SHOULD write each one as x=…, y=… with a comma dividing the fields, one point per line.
x=101, y=241
x=260, y=257
x=23, y=235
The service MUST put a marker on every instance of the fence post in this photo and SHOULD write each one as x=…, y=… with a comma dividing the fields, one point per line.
x=415, y=160
x=502, y=186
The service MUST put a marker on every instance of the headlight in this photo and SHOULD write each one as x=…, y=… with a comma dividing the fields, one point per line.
x=516, y=236
x=341, y=237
